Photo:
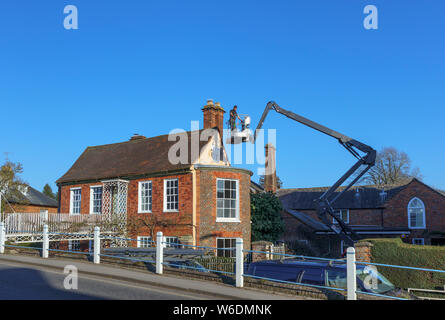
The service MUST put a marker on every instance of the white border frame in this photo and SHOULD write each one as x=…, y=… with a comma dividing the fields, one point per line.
x=165, y=195
x=71, y=201
x=335, y=221
x=237, y=217
x=91, y=198
x=409, y=217
x=138, y=238
x=231, y=238
x=423, y=241
x=139, y=196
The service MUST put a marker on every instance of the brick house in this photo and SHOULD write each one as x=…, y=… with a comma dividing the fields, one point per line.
x=30, y=200
x=200, y=201
x=413, y=211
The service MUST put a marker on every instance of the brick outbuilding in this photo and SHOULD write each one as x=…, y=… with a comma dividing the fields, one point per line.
x=413, y=211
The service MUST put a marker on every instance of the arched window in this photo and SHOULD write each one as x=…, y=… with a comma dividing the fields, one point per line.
x=416, y=214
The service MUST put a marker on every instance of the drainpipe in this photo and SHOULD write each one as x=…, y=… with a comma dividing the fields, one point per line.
x=194, y=205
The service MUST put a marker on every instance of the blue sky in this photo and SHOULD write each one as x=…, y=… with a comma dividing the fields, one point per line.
x=149, y=66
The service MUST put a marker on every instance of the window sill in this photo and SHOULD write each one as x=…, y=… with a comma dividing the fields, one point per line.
x=419, y=228
x=170, y=211
x=236, y=220
x=142, y=212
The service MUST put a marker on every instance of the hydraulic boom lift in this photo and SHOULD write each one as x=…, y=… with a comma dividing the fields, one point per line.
x=324, y=204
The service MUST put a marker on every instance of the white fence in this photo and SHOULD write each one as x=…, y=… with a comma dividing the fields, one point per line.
x=29, y=223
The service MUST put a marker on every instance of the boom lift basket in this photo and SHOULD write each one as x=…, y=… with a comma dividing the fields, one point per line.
x=243, y=135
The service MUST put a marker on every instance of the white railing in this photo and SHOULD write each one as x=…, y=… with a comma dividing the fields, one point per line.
x=27, y=223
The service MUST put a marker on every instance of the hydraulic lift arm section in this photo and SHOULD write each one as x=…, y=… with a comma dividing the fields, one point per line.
x=324, y=203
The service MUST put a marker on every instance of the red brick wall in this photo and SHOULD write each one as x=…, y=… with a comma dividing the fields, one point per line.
x=22, y=208
x=395, y=214
x=396, y=211
x=208, y=228
x=180, y=223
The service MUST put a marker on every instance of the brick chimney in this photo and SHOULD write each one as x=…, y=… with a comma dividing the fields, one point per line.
x=270, y=175
x=213, y=116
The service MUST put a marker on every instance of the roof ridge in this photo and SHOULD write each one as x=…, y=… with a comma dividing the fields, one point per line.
x=136, y=140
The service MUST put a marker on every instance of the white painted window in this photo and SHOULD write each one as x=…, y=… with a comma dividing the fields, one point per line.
x=73, y=245
x=96, y=199
x=419, y=241
x=144, y=242
x=75, y=200
x=226, y=243
x=227, y=200
x=343, y=214
x=171, y=242
x=145, y=196
x=416, y=214
x=171, y=195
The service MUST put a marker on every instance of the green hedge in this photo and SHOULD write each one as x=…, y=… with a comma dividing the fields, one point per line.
x=396, y=252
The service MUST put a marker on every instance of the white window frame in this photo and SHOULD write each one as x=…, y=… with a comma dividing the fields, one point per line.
x=421, y=240
x=409, y=214
x=347, y=216
x=145, y=244
x=71, y=243
x=165, y=195
x=92, y=199
x=232, y=254
x=167, y=241
x=140, y=210
x=72, y=201
x=237, y=213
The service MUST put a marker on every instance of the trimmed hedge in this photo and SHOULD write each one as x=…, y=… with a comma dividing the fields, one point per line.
x=396, y=252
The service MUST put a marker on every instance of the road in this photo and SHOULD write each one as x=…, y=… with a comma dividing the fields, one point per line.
x=28, y=282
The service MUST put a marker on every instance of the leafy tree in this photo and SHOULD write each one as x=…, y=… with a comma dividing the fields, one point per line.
x=391, y=167
x=266, y=220
x=10, y=182
x=48, y=191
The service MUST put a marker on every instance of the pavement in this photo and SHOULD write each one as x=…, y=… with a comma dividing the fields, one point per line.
x=25, y=277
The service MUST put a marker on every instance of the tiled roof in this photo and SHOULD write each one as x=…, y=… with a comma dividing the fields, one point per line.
x=362, y=197
x=33, y=197
x=131, y=158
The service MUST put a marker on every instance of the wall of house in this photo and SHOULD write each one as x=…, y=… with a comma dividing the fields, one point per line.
x=208, y=229
x=180, y=224
x=396, y=211
x=177, y=224
x=28, y=208
x=363, y=217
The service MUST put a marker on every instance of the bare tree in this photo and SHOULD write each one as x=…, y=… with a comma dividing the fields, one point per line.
x=155, y=222
x=10, y=181
x=391, y=167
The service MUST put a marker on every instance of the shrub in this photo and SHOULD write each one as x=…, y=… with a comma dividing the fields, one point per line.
x=395, y=252
x=266, y=220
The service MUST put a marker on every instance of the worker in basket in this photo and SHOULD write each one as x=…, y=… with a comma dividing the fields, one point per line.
x=233, y=116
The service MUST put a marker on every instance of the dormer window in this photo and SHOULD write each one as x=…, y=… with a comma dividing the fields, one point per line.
x=416, y=214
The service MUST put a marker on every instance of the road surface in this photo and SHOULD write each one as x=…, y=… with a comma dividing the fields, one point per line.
x=28, y=282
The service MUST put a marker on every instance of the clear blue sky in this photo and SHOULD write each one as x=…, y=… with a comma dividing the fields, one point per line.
x=148, y=67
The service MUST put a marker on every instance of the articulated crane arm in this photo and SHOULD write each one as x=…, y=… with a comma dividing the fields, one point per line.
x=324, y=203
